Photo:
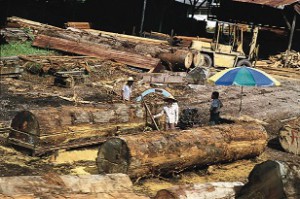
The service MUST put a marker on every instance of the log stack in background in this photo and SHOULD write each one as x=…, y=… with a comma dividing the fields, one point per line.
x=154, y=153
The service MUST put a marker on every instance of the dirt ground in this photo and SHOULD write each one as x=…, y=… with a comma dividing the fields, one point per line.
x=268, y=106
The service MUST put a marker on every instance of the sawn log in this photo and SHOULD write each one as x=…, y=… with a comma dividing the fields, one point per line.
x=272, y=180
x=155, y=153
x=93, y=186
x=289, y=137
x=91, y=49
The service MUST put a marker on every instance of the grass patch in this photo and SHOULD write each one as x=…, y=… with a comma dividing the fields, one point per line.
x=25, y=48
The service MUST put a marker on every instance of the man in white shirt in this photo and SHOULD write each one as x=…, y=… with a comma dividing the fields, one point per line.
x=171, y=110
x=127, y=89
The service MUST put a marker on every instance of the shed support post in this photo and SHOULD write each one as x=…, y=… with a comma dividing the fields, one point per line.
x=291, y=38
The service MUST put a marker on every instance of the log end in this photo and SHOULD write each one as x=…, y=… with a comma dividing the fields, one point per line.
x=197, y=59
x=164, y=194
x=113, y=157
x=188, y=61
x=26, y=121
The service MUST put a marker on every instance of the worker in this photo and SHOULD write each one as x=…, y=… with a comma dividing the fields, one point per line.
x=215, y=107
x=171, y=111
x=127, y=89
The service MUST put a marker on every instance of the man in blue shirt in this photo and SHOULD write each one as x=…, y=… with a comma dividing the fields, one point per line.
x=215, y=107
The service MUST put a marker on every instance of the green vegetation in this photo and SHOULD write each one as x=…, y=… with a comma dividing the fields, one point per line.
x=25, y=48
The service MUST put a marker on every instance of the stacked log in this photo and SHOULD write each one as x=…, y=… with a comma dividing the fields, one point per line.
x=155, y=153
x=177, y=58
x=213, y=190
x=289, y=136
x=89, y=49
x=272, y=180
x=52, y=185
x=70, y=127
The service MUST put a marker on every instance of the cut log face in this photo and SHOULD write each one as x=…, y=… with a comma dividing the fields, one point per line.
x=272, y=180
x=289, y=137
x=212, y=190
x=26, y=122
x=180, y=57
x=166, y=152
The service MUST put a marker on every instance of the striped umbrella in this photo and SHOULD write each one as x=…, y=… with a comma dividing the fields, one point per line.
x=243, y=76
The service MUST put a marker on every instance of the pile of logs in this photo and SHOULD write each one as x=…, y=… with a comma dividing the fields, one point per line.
x=281, y=60
x=143, y=53
x=156, y=153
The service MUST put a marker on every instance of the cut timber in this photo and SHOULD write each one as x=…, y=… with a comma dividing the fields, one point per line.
x=173, y=151
x=272, y=180
x=106, y=186
x=179, y=57
x=85, y=48
x=49, y=129
x=289, y=137
x=213, y=190
x=79, y=25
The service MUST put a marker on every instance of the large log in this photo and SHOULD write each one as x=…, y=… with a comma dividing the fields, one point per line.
x=123, y=37
x=173, y=151
x=272, y=180
x=90, y=49
x=106, y=187
x=289, y=136
x=67, y=127
x=213, y=190
x=178, y=58
x=17, y=22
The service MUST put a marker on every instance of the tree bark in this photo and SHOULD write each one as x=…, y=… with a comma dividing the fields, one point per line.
x=289, y=136
x=166, y=152
x=108, y=186
x=272, y=180
x=90, y=49
x=214, y=190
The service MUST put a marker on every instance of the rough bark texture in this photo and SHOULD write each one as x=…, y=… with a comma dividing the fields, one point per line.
x=213, y=190
x=272, y=180
x=289, y=137
x=173, y=151
x=73, y=126
x=85, y=48
x=108, y=186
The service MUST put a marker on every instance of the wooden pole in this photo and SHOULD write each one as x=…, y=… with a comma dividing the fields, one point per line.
x=291, y=39
x=150, y=114
x=143, y=17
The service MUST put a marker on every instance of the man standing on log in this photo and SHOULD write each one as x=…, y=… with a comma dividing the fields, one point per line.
x=171, y=110
x=215, y=107
x=127, y=89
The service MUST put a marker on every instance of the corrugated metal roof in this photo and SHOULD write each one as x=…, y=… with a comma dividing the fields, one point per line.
x=272, y=3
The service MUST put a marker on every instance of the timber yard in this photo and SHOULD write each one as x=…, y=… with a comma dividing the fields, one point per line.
x=173, y=99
